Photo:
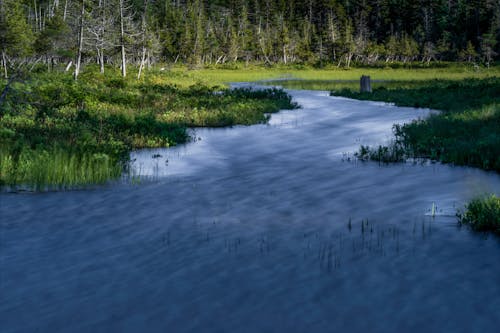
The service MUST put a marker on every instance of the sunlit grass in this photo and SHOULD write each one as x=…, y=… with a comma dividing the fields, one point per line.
x=41, y=170
x=255, y=73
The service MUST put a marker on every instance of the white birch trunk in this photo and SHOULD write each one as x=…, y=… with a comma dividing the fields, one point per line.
x=122, y=41
x=80, y=42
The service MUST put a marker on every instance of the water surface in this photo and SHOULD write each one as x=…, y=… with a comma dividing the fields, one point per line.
x=267, y=228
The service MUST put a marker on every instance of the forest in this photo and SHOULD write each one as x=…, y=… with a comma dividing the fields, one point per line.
x=68, y=34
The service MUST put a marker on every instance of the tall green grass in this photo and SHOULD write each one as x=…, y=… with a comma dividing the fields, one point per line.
x=482, y=214
x=41, y=170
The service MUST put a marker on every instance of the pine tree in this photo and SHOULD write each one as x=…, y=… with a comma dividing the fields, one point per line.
x=16, y=37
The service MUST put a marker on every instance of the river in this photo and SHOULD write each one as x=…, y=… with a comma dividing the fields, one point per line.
x=265, y=228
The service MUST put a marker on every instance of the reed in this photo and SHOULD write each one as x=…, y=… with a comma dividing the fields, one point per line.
x=57, y=169
x=482, y=214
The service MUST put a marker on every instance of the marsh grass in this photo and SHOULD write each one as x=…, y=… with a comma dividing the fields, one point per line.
x=384, y=154
x=467, y=132
x=385, y=72
x=56, y=132
x=41, y=170
x=482, y=214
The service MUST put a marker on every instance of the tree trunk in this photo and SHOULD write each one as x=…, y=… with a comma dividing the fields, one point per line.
x=365, y=84
x=100, y=40
x=69, y=66
x=143, y=32
x=65, y=10
x=143, y=60
x=36, y=14
x=122, y=42
x=101, y=60
x=80, y=42
x=4, y=62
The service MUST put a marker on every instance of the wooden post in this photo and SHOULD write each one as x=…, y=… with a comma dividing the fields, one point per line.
x=365, y=84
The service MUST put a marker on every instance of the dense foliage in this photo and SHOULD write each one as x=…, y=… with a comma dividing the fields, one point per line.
x=467, y=132
x=483, y=214
x=59, y=132
x=202, y=32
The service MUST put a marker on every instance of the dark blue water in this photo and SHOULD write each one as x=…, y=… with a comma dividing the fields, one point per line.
x=268, y=228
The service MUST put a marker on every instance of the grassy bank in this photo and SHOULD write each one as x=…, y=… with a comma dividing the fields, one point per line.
x=88, y=127
x=330, y=75
x=58, y=133
x=466, y=132
x=483, y=214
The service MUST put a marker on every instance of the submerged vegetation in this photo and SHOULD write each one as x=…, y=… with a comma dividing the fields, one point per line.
x=483, y=214
x=466, y=132
x=58, y=133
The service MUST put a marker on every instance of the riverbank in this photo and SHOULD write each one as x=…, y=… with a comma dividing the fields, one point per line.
x=466, y=132
x=64, y=134
x=58, y=133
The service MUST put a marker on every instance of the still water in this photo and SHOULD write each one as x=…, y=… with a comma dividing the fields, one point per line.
x=267, y=228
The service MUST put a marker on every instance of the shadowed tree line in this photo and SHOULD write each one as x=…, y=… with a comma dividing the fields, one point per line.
x=69, y=33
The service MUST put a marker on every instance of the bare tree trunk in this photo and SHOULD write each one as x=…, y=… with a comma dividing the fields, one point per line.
x=122, y=42
x=103, y=21
x=68, y=66
x=65, y=10
x=143, y=58
x=101, y=61
x=36, y=14
x=4, y=61
x=80, y=42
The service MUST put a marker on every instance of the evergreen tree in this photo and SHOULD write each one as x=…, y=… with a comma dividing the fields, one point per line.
x=16, y=37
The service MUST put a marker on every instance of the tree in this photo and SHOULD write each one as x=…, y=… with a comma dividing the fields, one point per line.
x=469, y=54
x=100, y=30
x=488, y=43
x=52, y=41
x=144, y=38
x=16, y=36
x=80, y=40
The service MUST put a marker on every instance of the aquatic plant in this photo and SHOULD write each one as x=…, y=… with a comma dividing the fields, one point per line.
x=40, y=170
x=384, y=154
x=482, y=214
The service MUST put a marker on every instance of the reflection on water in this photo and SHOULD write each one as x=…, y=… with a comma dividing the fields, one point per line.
x=267, y=228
